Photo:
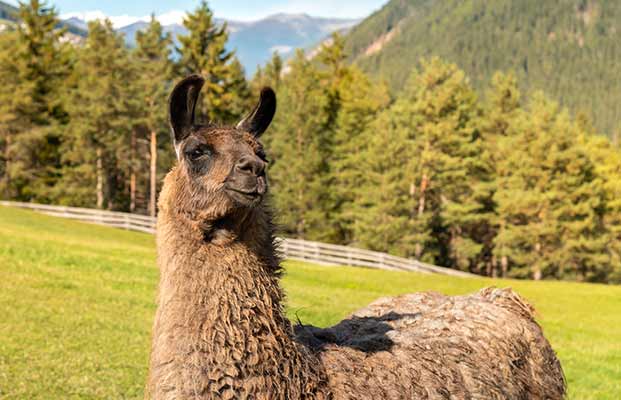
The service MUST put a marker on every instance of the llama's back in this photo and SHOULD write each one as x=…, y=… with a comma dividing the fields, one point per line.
x=429, y=346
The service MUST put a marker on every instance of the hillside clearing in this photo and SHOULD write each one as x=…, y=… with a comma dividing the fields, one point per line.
x=77, y=302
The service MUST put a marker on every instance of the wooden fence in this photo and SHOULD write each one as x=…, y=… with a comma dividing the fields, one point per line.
x=295, y=249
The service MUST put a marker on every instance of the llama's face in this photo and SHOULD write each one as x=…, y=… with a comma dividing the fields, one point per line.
x=225, y=167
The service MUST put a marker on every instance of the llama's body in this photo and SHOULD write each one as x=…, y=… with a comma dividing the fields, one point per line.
x=220, y=331
x=429, y=346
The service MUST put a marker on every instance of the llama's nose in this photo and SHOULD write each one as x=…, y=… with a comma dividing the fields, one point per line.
x=250, y=166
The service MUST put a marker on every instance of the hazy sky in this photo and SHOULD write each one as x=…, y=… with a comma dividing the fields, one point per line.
x=231, y=9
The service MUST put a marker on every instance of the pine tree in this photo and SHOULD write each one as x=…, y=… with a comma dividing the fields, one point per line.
x=152, y=56
x=333, y=61
x=528, y=232
x=606, y=157
x=383, y=203
x=102, y=116
x=550, y=200
x=8, y=116
x=238, y=92
x=273, y=71
x=451, y=178
x=38, y=64
x=579, y=192
x=269, y=75
x=360, y=103
x=297, y=150
x=501, y=109
x=203, y=51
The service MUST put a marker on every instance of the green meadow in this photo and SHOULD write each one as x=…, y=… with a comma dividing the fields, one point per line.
x=77, y=303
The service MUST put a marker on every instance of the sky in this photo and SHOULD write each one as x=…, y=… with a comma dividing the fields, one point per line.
x=125, y=12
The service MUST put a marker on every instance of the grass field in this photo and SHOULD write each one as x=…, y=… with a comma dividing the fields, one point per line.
x=77, y=301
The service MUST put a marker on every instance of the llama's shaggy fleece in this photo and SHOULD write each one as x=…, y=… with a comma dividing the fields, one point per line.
x=429, y=346
x=220, y=331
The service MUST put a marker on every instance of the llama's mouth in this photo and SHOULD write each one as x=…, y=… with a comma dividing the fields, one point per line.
x=245, y=197
x=251, y=194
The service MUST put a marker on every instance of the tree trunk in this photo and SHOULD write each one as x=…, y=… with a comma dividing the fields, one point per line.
x=421, y=210
x=153, y=175
x=132, y=173
x=537, y=274
x=423, y=188
x=100, y=179
x=504, y=264
x=300, y=225
x=7, y=166
x=491, y=267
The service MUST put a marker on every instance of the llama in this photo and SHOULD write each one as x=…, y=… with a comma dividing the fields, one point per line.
x=220, y=331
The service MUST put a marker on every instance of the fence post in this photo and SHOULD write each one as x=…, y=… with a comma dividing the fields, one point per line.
x=285, y=248
x=316, y=252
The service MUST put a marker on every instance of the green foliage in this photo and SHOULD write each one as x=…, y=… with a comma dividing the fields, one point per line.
x=487, y=187
x=299, y=152
x=550, y=199
x=101, y=119
x=571, y=49
x=154, y=69
x=152, y=56
x=32, y=110
x=82, y=298
x=493, y=187
x=86, y=125
x=7, y=110
x=360, y=100
x=430, y=171
x=269, y=75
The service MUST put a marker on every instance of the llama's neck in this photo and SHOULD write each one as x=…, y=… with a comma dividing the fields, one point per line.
x=220, y=330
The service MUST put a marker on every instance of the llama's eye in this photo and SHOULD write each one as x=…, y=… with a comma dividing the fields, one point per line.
x=198, y=152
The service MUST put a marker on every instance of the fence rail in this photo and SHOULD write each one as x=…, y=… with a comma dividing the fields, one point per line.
x=295, y=249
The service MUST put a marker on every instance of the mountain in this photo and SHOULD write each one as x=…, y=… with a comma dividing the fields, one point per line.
x=75, y=30
x=7, y=12
x=571, y=49
x=254, y=42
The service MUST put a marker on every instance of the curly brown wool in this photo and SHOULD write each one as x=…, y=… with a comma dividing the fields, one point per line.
x=220, y=331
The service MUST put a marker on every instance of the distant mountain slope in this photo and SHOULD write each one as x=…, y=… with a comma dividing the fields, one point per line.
x=569, y=48
x=254, y=42
x=9, y=13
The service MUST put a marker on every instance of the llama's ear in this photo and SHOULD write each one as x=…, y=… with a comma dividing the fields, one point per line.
x=182, y=105
x=261, y=117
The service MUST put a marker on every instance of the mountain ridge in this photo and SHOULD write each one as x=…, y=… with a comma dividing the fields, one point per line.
x=253, y=41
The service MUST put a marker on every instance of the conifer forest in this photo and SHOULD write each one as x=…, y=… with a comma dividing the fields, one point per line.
x=487, y=178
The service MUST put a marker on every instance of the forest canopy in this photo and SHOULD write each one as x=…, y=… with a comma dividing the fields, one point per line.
x=495, y=181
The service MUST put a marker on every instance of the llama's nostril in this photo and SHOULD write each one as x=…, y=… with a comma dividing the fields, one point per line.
x=248, y=165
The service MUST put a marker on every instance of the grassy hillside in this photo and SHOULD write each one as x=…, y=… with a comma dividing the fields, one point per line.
x=77, y=303
x=571, y=49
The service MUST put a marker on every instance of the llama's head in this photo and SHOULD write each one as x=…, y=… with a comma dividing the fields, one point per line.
x=220, y=169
